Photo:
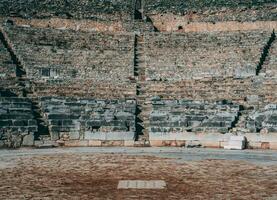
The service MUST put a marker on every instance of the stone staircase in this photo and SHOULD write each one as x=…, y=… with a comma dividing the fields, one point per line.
x=142, y=114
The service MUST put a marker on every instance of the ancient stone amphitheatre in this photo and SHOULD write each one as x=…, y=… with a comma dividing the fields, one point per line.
x=138, y=76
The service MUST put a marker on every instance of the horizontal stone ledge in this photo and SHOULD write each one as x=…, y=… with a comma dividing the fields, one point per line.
x=128, y=136
x=188, y=136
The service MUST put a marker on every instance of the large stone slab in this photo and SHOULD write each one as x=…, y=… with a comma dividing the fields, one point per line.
x=236, y=143
x=141, y=184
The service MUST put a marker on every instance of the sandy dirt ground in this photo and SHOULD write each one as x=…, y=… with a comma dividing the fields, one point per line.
x=95, y=175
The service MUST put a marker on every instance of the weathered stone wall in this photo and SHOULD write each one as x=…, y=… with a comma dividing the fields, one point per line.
x=89, y=119
x=183, y=116
x=210, y=124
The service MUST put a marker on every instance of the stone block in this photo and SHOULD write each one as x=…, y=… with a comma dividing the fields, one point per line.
x=236, y=143
x=120, y=136
x=129, y=143
x=55, y=135
x=94, y=143
x=76, y=143
x=28, y=140
x=141, y=184
x=90, y=135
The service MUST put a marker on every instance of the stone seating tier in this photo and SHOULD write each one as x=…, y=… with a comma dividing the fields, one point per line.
x=214, y=11
x=48, y=53
x=174, y=57
x=192, y=116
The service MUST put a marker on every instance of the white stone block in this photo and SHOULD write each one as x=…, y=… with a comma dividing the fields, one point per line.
x=141, y=184
x=236, y=142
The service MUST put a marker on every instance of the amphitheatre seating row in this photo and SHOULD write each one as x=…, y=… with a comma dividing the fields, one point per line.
x=63, y=62
x=69, y=54
x=248, y=91
x=84, y=88
x=16, y=115
x=175, y=57
x=78, y=9
x=192, y=116
x=89, y=119
x=183, y=116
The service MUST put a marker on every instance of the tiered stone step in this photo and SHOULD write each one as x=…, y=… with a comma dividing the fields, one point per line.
x=51, y=54
x=175, y=57
x=17, y=118
x=184, y=116
x=85, y=88
x=237, y=90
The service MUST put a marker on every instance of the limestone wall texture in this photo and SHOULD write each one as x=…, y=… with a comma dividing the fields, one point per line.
x=138, y=73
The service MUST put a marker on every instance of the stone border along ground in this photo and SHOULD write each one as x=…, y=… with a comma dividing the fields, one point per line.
x=260, y=157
